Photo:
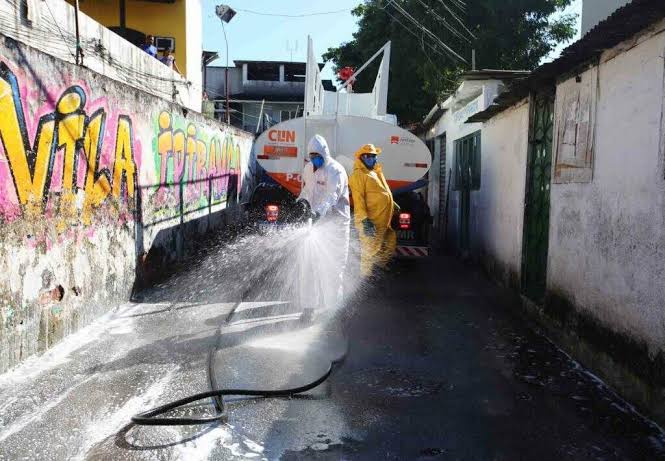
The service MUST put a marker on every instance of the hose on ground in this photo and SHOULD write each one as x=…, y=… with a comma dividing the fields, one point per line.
x=150, y=417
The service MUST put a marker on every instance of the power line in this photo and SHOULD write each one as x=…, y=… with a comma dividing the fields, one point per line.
x=59, y=30
x=459, y=4
x=424, y=29
x=455, y=17
x=442, y=20
x=409, y=30
x=304, y=15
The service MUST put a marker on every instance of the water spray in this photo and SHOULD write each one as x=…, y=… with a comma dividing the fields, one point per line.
x=304, y=237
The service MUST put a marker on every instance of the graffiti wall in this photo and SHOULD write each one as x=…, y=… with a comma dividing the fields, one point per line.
x=93, y=175
x=70, y=147
x=197, y=166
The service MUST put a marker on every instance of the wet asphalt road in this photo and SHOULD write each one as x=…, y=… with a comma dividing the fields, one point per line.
x=436, y=369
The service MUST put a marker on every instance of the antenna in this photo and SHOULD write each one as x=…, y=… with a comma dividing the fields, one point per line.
x=293, y=49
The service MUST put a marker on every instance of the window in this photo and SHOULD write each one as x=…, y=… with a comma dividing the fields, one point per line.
x=289, y=114
x=163, y=43
x=263, y=71
x=294, y=72
x=467, y=162
x=574, y=114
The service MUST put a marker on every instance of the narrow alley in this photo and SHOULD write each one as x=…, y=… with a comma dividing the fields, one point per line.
x=437, y=368
x=421, y=230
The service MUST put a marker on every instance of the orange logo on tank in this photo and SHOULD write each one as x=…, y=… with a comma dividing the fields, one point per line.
x=282, y=135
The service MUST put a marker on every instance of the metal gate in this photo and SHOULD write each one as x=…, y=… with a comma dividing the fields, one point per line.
x=467, y=178
x=443, y=185
x=537, y=205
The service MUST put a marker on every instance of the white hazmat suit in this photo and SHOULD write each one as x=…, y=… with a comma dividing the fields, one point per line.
x=327, y=188
x=327, y=192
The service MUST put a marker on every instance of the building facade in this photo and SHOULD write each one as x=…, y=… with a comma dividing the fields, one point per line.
x=455, y=176
x=571, y=205
x=174, y=23
x=261, y=93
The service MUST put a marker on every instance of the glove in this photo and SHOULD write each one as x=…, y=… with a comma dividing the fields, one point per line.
x=368, y=228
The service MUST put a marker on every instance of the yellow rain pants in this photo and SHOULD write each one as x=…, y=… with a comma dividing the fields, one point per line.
x=372, y=199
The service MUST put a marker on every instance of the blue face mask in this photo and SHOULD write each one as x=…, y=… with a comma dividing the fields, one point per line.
x=369, y=162
x=317, y=162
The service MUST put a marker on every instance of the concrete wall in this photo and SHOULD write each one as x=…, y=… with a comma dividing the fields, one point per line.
x=52, y=30
x=497, y=216
x=94, y=174
x=193, y=43
x=595, y=11
x=607, y=236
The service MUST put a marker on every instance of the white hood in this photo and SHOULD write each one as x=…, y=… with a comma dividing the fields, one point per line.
x=319, y=145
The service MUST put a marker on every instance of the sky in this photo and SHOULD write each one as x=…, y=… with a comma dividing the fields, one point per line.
x=574, y=8
x=258, y=37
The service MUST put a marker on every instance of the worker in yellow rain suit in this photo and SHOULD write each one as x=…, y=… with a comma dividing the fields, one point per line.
x=373, y=210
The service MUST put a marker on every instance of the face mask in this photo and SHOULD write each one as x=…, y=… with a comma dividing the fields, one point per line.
x=369, y=162
x=317, y=162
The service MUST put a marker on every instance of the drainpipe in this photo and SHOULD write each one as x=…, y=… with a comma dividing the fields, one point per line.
x=79, y=51
x=123, y=14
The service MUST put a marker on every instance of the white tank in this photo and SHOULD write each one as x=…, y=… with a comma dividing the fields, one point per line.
x=347, y=121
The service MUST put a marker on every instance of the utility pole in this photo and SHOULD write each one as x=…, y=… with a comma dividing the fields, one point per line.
x=225, y=13
x=226, y=78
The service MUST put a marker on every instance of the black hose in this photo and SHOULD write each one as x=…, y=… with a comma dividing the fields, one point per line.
x=148, y=418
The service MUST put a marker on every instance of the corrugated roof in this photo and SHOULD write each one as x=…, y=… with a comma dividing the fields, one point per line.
x=621, y=25
x=494, y=74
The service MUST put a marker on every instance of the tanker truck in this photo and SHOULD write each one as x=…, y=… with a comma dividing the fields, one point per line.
x=347, y=120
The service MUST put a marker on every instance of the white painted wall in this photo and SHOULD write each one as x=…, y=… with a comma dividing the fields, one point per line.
x=595, y=11
x=194, y=34
x=497, y=209
x=607, y=237
x=52, y=31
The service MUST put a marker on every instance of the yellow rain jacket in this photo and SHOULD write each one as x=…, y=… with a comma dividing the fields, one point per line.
x=372, y=199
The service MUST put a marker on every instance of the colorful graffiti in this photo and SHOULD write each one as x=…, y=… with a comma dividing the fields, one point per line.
x=196, y=165
x=75, y=162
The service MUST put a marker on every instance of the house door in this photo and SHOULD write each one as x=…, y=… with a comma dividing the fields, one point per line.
x=467, y=178
x=537, y=204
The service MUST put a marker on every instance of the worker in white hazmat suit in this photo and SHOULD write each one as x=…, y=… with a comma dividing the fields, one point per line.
x=325, y=186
